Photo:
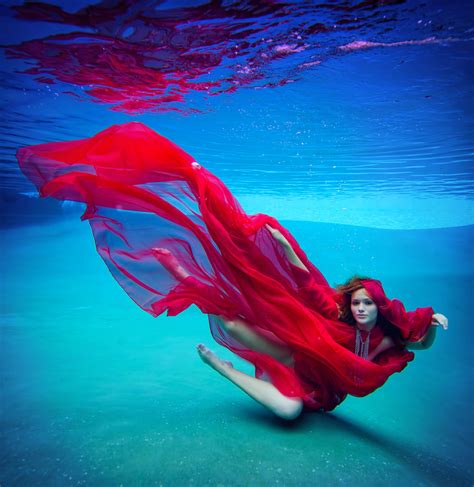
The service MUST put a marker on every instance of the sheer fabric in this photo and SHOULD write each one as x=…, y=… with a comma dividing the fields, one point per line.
x=141, y=191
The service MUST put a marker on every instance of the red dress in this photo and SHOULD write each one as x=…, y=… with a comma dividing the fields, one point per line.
x=142, y=191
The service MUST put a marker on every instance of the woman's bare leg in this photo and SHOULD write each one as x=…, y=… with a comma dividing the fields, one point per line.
x=262, y=342
x=170, y=263
x=261, y=391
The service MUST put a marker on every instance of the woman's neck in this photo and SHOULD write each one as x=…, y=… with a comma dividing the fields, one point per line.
x=366, y=327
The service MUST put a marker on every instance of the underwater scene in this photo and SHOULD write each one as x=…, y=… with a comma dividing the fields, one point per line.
x=348, y=122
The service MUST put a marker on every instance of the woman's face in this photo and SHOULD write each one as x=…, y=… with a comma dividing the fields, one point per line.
x=363, y=308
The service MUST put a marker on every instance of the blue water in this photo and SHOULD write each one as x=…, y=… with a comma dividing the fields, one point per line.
x=364, y=153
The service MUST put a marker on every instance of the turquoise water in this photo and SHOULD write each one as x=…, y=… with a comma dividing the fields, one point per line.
x=349, y=121
x=96, y=392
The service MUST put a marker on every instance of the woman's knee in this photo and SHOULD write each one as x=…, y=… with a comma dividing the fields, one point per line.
x=228, y=325
x=236, y=328
x=290, y=409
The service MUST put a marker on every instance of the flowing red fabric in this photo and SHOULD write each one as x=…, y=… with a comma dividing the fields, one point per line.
x=141, y=191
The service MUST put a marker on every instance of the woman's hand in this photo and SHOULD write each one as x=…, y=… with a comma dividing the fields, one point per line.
x=277, y=235
x=439, y=320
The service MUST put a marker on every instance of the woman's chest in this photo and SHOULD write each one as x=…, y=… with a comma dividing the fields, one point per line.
x=360, y=342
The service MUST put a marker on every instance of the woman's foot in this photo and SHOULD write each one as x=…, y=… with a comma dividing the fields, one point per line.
x=170, y=263
x=210, y=358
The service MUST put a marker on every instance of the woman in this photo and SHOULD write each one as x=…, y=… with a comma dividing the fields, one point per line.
x=173, y=235
x=357, y=308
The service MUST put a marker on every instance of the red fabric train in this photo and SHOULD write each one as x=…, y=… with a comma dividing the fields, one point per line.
x=142, y=191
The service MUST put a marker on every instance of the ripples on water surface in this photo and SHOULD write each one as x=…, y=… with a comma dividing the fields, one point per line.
x=307, y=110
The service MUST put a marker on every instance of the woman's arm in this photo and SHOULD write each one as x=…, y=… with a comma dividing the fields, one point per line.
x=437, y=320
x=425, y=342
x=288, y=249
x=317, y=296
